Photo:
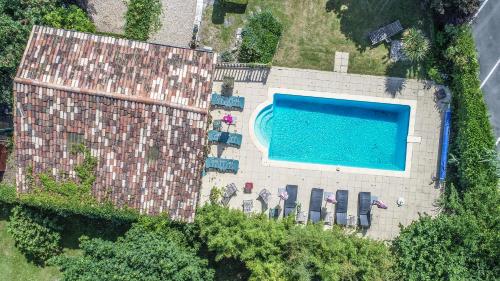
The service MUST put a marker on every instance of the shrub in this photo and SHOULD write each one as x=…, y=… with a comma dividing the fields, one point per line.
x=260, y=38
x=35, y=234
x=415, y=45
x=142, y=19
x=70, y=17
x=280, y=250
x=150, y=250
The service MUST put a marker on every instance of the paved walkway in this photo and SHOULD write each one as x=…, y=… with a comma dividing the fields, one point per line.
x=177, y=23
x=418, y=190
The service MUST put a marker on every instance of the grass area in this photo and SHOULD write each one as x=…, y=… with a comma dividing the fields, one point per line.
x=316, y=29
x=15, y=267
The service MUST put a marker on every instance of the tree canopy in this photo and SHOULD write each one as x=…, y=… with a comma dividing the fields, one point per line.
x=146, y=252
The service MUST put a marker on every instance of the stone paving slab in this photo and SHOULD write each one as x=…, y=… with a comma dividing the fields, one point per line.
x=341, y=62
x=418, y=190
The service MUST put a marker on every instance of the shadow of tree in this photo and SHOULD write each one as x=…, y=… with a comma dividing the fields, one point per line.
x=359, y=17
x=221, y=8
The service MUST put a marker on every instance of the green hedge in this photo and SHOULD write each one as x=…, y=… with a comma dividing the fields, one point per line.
x=462, y=242
x=70, y=17
x=36, y=235
x=260, y=38
x=142, y=19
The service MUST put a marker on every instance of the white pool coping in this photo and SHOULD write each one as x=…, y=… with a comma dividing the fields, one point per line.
x=337, y=168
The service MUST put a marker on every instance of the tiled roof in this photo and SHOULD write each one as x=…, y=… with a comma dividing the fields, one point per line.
x=119, y=67
x=141, y=109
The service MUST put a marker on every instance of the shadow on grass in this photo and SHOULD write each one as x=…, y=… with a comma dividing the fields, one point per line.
x=359, y=17
x=221, y=8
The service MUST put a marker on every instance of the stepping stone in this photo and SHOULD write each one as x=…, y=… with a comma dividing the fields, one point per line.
x=341, y=62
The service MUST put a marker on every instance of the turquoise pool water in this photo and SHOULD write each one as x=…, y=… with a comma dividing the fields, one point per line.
x=334, y=132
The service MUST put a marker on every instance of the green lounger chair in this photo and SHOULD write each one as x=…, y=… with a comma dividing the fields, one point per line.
x=225, y=138
x=232, y=102
x=222, y=165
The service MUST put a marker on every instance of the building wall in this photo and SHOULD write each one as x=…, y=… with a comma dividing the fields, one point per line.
x=123, y=135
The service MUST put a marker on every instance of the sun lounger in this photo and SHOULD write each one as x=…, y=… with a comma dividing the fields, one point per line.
x=364, y=209
x=341, y=207
x=315, y=205
x=229, y=192
x=385, y=32
x=222, y=165
x=231, y=102
x=264, y=195
x=247, y=206
x=291, y=201
x=224, y=137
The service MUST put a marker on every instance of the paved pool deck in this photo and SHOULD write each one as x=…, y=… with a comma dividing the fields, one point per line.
x=417, y=188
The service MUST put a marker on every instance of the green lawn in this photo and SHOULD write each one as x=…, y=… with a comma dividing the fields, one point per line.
x=15, y=267
x=315, y=29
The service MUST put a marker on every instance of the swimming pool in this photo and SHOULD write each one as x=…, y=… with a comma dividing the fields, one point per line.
x=333, y=131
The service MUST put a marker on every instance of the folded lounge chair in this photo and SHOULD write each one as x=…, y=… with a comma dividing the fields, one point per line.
x=229, y=191
x=385, y=32
x=315, y=205
x=224, y=137
x=291, y=201
x=232, y=102
x=364, y=209
x=341, y=207
x=222, y=165
x=247, y=206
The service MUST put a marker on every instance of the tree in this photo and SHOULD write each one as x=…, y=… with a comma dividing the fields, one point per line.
x=148, y=251
x=281, y=250
x=35, y=234
x=72, y=18
x=142, y=18
x=260, y=38
x=415, y=45
x=455, y=11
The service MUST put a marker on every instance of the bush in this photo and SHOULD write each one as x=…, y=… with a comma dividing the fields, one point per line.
x=415, y=45
x=260, y=38
x=70, y=17
x=281, y=250
x=454, y=11
x=150, y=250
x=142, y=19
x=35, y=234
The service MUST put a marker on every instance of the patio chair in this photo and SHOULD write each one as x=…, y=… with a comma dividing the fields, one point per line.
x=229, y=192
x=274, y=213
x=222, y=165
x=329, y=218
x=364, y=209
x=315, y=205
x=301, y=218
x=247, y=206
x=264, y=195
x=231, y=139
x=385, y=32
x=342, y=197
x=291, y=201
x=231, y=102
x=217, y=125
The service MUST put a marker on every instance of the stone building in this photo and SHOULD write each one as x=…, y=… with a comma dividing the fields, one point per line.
x=141, y=109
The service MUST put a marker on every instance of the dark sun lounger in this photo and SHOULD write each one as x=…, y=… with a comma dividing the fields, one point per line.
x=341, y=207
x=291, y=202
x=315, y=205
x=364, y=209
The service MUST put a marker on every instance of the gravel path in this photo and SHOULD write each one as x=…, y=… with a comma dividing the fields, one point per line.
x=177, y=23
x=108, y=15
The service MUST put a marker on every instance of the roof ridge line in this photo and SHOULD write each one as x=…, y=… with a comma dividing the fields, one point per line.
x=110, y=95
